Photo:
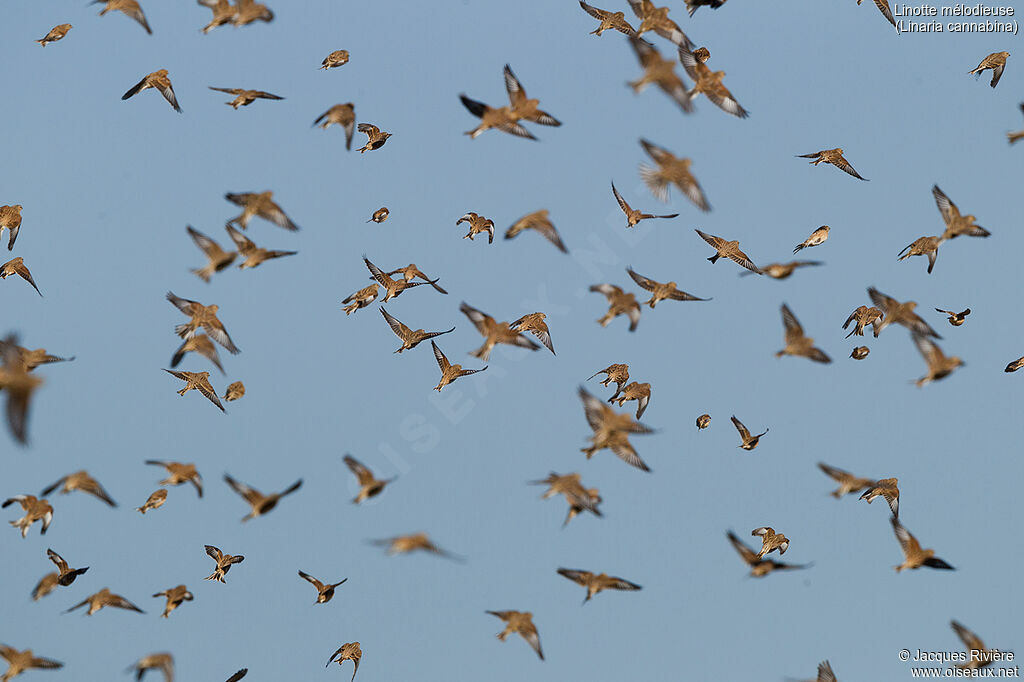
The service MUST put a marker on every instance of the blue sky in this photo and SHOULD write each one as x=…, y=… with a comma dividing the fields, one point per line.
x=109, y=186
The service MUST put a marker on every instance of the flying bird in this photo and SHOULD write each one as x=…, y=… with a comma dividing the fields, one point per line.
x=611, y=430
x=216, y=257
x=770, y=541
x=17, y=267
x=749, y=442
x=817, y=238
x=634, y=216
x=343, y=115
x=10, y=220
x=129, y=8
x=887, y=488
x=253, y=255
x=55, y=34
x=995, y=61
x=798, y=344
x=760, y=567
x=661, y=72
x=656, y=19
x=619, y=303
x=261, y=504
x=669, y=170
x=883, y=7
x=597, y=582
x=477, y=224
x=894, y=312
x=348, y=652
x=66, y=575
x=915, y=557
x=939, y=364
x=925, y=246
x=259, y=204
x=105, y=598
x=520, y=622
x=154, y=501
x=403, y=544
x=158, y=80
x=848, y=483
x=334, y=60
x=619, y=373
x=539, y=221
x=175, y=597
x=535, y=324
x=369, y=485
x=956, y=319
x=449, y=372
x=80, y=480
x=224, y=563
x=325, y=591
x=709, y=82
x=782, y=270
x=494, y=333
x=956, y=224
x=609, y=20
x=201, y=316
x=375, y=138
x=179, y=473
x=834, y=157
x=243, y=97
x=641, y=393
x=20, y=661
x=199, y=381
x=730, y=250
x=162, y=662
x=200, y=343
x=234, y=391
x=659, y=291
x=863, y=316
x=35, y=510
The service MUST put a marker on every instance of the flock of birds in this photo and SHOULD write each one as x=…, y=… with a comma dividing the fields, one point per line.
x=204, y=331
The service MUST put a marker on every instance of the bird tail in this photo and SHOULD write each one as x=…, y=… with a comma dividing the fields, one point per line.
x=185, y=331
x=798, y=247
x=714, y=259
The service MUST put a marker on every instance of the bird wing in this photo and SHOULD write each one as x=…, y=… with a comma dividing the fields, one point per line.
x=364, y=475
x=748, y=555
x=316, y=583
x=622, y=202
x=793, y=329
x=645, y=282
x=251, y=495
x=844, y=165
x=474, y=107
x=744, y=433
x=516, y=94
x=883, y=7
x=442, y=361
x=242, y=243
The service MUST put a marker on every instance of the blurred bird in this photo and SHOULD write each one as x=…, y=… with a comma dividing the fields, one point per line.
x=235, y=390
x=619, y=303
x=817, y=237
x=613, y=20
x=539, y=221
x=939, y=364
x=535, y=324
x=10, y=220
x=66, y=575
x=260, y=503
x=449, y=372
x=154, y=501
x=224, y=563
x=248, y=11
x=158, y=80
x=200, y=343
x=163, y=662
x=129, y=8
x=477, y=224
x=863, y=316
x=797, y=344
x=521, y=622
x=223, y=13
x=410, y=339
x=730, y=250
x=343, y=115
x=671, y=170
x=659, y=291
x=17, y=266
x=490, y=117
x=995, y=61
x=661, y=72
x=259, y=204
x=175, y=596
x=522, y=107
x=709, y=82
x=179, y=473
x=35, y=510
x=369, y=485
x=375, y=139
x=392, y=288
x=335, y=59
x=217, y=258
x=243, y=97
x=955, y=319
x=403, y=544
x=1019, y=135
x=32, y=359
x=656, y=19
x=782, y=270
x=977, y=655
x=20, y=661
x=80, y=480
x=760, y=567
x=925, y=246
x=325, y=591
x=770, y=541
x=749, y=442
x=55, y=34
x=693, y=5
x=834, y=157
x=46, y=585
x=494, y=333
x=597, y=582
x=619, y=373
x=848, y=483
x=201, y=316
x=18, y=384
x=915, y=557
x=956, y=224
x=105, y=598
x=899, y=313
x=199, y=381
x=253, y=255
x=611, y=430
x=411, y=272
x=348, y=652
x=887, y=488
x=578, y=497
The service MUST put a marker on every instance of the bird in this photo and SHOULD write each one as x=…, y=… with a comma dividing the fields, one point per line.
x=129, y=8
x=848, y=483
x=259, y=204
x=360, y=299
x=641, y=393
x=32, y=359
x=392, y=288
x=730, y=250
x=369, y=485
x=661, y=72
x=925, y=246
x=494, y=332
x=178, y=473
x=956, y=224
x=1019, y=135
x=535, y=324
x=978, y=656
x=1015, y=365
x=410, y=339
x=500, y=118
x=523, y=108
x=260, y=503
x=449, y=372
x=760, y=567
x=334, y=59
x=66, y=575
x=782, y=270
x=201, y=316
x=163, y=662
x=860, y=352
x=46, y=585
x=18, y=384
x=343, y=115
x=709, y=82
x=243, y=97
x=325, y=591
x=20, y=661
x=223, y=13
x=668, y=170
x=234, y=391
x=887, y=488
x=10, y=220
x=348, y=652
x=217, y=258
x=834, y=157
x=55, y=34
x=175, y=596
x=80, y=480
x=619, y=303
x=597, y=582
x=863, y=316
x=939, y=364
x=914, y=556
x=200, y=343
x=609, y=20
x=634, y=216
x=411, y=272
x=539, y=221
x=956, y=319
x=749, y=442
x=105, y=598
x=375, y=139
x=199, y=381
x=477, y=224
x=380, y=215
x=770, y=541
x=17, y=266
x=611, y=430
x=403, y=544
x=659, y=291
x=995, y=61
x=154, y=501
x=619, y=373
x=253, y=255
x=817, y=238
x=224, y=563
x=703, y=422
x=579, y=498
x=35, y=509
x=158, y=80
x=894, y=312
x=693, y=5
x=521, y=622
x=797, y=344
x=883, y=7
x=248, y=11
x=238, y=675
x=656, y=19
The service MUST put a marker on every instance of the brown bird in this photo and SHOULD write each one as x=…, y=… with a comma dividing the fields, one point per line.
x=224, y=563
x=730, y=250
x=35, y=510
x=200, y=343
x=235, y=390
x=709, y=82
x=500, y=118
x=163, y=662
x=199, y=381
x=223, y=13
x=619, y=373
x=34, y=358
x=535, y=324
x=348, y=652
x=325, y=591
x=925, y=246
x=477, y=224
x=410, y=339
x=671, y=170
x=178, y=473
x=18, y=384
x=659, y=291
x=360, y=299
x=955, y=319
x=20, y=661
x=539, y=221
x=1015, y=365
x=749, y=442
x=619, y=303
x=248, y=11
x=66, y=574
x=797, y=344
x=611, y=430
x=17, y=266
x=656, y=19
x=449, y=372
x=175, y=596
x=863, y=316
x=848, y=483
x=899, y=313
x=939, y=364
x=597, y=582
x=375, y=139
x=782, y=270
x=978, y=655
x=158, y=80
x=1019, y=135
x=259, y=204
x=217, y=258
x=915, y=557
x=403, y=544
x=154, y=501
x=523, y=108
x=693, y=5
x=817, y=237
x=887, y=488
x=129, y=8
x=578, y=497
x=55, y=34
x=80, y=480
x=613, y=20
x=46, y=585
x=641, y=393
x=634, y=216
x=494, y=332
x=260, y=503
x=380, y=215
x=369, y=485
x=883, y=7
x=521, y=622
x=392, y=288
x=956, y=224
x=661, y=72
x=253, y=255
x=703, y=421
x=243, y=97
x=770, y=541
x=860, y=352
x=343, y=115
x=760, y=567
x=335, y=59
x=411, y=272
x=204, y=316
x=10, y=219
x=834, y=157
x=105, y=598
x=995, y=61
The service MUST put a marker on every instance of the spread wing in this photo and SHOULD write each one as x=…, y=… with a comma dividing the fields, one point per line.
x=480, y=320
x=793, y=329
x=442, y=361
x=744, y=433
x=748, y=555
x=645, y=282
x=364, y=475
x=516, y=94
x=316, y=583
